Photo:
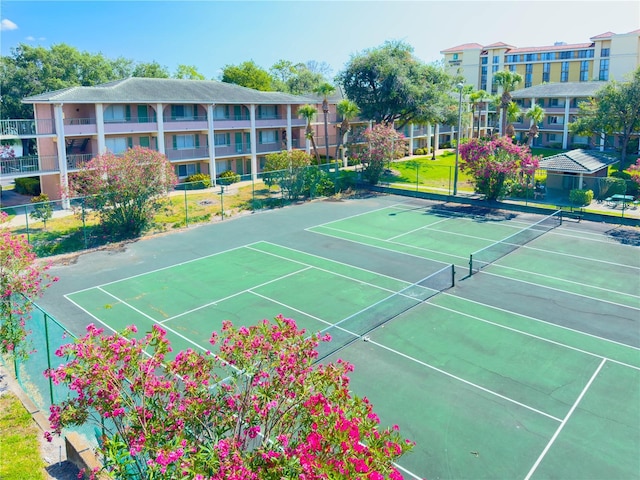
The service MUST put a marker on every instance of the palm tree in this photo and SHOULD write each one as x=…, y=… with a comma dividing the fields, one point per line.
x=308, y=112
x=477, y=98
x=325, y=89
x=348, y=110
x=535, y=114
x=513, y=113
x=508, y=81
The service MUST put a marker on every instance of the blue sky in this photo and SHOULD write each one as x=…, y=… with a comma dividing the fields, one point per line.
x=211, y=34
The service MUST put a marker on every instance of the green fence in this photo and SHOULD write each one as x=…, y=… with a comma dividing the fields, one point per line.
x=46, y=336
x=77, y=228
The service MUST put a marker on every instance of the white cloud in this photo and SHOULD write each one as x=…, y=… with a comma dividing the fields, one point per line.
x=30, y=39
x=7, y=25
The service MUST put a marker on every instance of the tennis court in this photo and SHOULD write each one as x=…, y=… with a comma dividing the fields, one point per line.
x=530, y=368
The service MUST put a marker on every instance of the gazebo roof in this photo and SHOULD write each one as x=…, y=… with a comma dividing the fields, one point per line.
x=577, y=161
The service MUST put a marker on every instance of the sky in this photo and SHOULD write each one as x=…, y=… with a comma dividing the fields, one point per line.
x=211, y=34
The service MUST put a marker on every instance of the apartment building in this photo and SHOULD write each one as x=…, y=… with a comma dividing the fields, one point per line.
x=201, y=126
x=607, y=56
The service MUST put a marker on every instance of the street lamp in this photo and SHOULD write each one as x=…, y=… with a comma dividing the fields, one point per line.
x=455, y=173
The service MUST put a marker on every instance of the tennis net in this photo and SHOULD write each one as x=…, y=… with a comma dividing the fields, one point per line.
x=360, y=323
x=488, y=255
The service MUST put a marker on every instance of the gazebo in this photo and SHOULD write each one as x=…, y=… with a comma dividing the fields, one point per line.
x=575, y=169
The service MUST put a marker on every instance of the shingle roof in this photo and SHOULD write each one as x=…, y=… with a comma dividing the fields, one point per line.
x=604, y=35
x=553, y=48
x=165, y=90
x=464, y=46
x=499, y=45
x=577, y=161
x=566, y=89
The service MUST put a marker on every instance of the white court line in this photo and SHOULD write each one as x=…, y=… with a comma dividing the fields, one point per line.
x=544, y=339
x=396, y=206
x=600, y=236
x=424, y=227
x=466, y=258
x=466, y=382
x=200, y=307
x=565, y=420
x=566, y=281
x=580, y=257
x=161, y=269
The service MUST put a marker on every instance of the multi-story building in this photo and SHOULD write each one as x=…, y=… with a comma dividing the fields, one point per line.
x=201, y=126
x=608, y=56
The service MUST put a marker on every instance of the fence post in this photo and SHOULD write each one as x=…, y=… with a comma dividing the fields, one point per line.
x=186, y=207
x=26, y=221
x=84, y=225
x=46, y=339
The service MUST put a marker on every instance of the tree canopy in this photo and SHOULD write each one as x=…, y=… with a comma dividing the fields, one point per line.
x=298, y=78
x=390, y=85
x=247, y=74
x=614, y=109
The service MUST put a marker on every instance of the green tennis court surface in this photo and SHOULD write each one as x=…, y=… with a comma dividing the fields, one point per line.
x=528, y=369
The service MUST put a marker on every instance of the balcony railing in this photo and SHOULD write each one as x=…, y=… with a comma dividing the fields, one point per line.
x=28, y=165
x=25, y=128
x=187, y=153
x=74, y=161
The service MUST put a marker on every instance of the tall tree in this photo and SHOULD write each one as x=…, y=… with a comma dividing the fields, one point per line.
x=390, y=85
x=298, y=78
x=188, y=72
x=384, y=144
x=33, y=70
x=324, y=90
x=150, y=70
x=536, y=115
x=613, y=110
x=348, y=110
x=513, y=114
x=478, y=98
x=247, y=74
x=308, y=112
x=508, y=81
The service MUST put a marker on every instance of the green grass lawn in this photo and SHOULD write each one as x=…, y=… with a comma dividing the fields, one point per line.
x=20, y=457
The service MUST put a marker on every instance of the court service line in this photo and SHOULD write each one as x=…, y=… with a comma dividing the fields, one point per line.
x=334, y=273
x=580, y=257
x=386, y=207
x=537, y=337
x=600, y=239
x=565, y=420
x=466, y=382
x=160, y=269
x=466, y=258
x=188, y=340
x=424, y=227
x=569, y=281
x=200, y=307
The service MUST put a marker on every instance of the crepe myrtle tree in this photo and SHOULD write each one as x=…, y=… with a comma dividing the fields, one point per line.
x=492, y=162
x=22, y=279
x=384, y=144
x=125, y=190
x=260, y=407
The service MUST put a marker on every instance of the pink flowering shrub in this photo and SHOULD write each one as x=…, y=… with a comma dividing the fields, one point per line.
x=384, y=144
x=493, y=161
x=22, y=279
x=124, y=189
x=260, y=408
x=634, y=171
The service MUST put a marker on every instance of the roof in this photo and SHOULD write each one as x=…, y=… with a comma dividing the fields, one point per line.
x=464, y=46
x=499, y=45
x=550, y=48
x=165, y=90
x=604, y=35
x=577, y=161
x=562, y=89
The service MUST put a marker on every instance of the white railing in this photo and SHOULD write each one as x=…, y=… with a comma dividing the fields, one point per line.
x=24, y=128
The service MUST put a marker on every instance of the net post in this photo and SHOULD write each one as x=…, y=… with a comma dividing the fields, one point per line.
x=471, y=264
x=560, y=215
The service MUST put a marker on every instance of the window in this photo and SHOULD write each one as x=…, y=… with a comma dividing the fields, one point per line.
x=604, y=69
x=455, y=56
x=494, y=68
x=222, y=139
x=555, y=120
x=584, y=70
x=185, y=142
x=186, y=170
x=564, y=72
x=483, y=60
x=116, y=145
x=496, y=59
x=548, y=56
x=551, y=137
x=566, y=55
x=267, y=111
x=117, y=113
x=221, y=112
x=546, y=68
x=183, y=112
x=267, y=136
x=605, y=52
x=553, y=102
x=145, y=142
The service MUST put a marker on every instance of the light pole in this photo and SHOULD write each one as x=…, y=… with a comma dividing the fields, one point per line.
x=455, y=172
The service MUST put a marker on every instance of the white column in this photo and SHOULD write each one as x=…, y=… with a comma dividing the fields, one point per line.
x=411, y=139
x=436, y=140
x=160, y=119
x=565, y=125
x=254, y=142
x=58, y=116
x=289, y=128
x=580, y=179
x=602, y=140
x=429, y=133
x=212, y=144
x=102, y=146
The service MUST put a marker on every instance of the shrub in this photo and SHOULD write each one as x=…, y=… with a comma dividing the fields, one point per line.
x=581, y=197
x=555, y=145
x=420, y=151
x=197, y=181
x=228, y=177
x=611, y=186
x=28, y=186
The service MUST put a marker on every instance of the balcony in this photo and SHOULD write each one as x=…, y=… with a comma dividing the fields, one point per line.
x=177, y=155
x=185, y=124
x=28, y=166
x=26, y=128
x=74, y=161
x=80, y=126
